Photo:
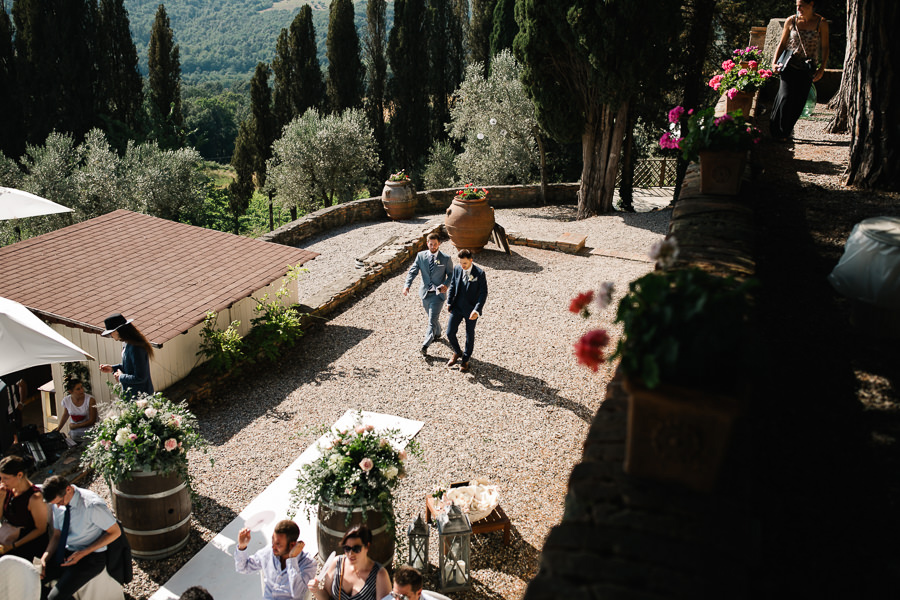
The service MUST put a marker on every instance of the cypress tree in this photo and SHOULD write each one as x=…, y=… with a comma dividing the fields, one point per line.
x=504, y=26
x=12, y=136
x=480, y=32
x=262, y=127
x=120, y=87
x=298, y=78
x=439, y=84
x=240, y=191
x=345, y=69
x=376, y=74
x=165, y=81
x=408, y=57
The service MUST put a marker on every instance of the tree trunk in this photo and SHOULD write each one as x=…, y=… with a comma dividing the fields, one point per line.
x=271, y=212
x=601, y=145
x=293, y=213
x=840, y=122
x=875, y=122
x=543, y=152
x=626, y=186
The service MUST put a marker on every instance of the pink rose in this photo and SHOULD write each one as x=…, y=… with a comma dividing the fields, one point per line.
x=106, y=444
x=366, y=464
x=731, y=93
x=176, y=420
x=403, y=455
x=589, y=349
x=171, y=444
x=360, y=428
x=370, y=428
x=132, y=436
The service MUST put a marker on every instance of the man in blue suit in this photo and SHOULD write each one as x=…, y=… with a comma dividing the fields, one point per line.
x=436, y=268
x=465, y=301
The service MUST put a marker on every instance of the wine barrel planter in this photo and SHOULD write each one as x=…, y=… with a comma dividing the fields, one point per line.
x=399, y=199
x=469, y=223
x=332, y=524
x=721, y=172
x=155, y=511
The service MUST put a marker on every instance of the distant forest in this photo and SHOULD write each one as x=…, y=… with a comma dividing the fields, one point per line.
x=225, y=39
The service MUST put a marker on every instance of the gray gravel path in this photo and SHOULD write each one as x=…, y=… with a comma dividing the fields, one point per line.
x=519, y=417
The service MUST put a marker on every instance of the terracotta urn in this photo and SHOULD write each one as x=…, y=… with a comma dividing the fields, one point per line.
x=399, y=199
x=469, y=223
x=721, y=172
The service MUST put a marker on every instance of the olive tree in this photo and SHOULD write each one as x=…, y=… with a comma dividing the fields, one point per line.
x=322, y=160
x=494, y=120
x=164, y=183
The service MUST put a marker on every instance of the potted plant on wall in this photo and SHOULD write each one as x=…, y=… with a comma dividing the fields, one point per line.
x=720, y=144
x=352, y=483
x=141, y=452
x=740, y=80
x=399, y=196
x=686, y=343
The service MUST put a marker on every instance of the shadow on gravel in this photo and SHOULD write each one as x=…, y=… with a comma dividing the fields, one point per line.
x=497, y=259
x=211, y=514
x=309, y=362
x=501, y=379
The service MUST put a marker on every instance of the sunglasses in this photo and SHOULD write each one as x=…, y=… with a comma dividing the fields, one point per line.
x=398, y=596
x=354, y=549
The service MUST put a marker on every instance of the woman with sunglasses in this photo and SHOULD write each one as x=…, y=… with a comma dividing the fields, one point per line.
x=354, y=576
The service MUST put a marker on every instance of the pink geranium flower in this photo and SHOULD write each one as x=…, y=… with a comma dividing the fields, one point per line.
x=731, y=93
x=753, y=64
x=728, y=65
x=675, y=114
x=742, y=72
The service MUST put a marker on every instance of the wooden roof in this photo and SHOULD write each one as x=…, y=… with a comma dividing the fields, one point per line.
x=164, y=275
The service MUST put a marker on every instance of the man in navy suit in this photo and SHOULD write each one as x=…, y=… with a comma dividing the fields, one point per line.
x=465, y=301
x=436, y=268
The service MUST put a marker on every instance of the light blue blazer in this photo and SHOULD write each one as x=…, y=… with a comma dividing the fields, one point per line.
x=441, y=276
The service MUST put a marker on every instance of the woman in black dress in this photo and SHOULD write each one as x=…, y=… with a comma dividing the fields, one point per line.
x=22, y=507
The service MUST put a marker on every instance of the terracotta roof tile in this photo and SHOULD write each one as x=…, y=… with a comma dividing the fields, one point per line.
x=165, y=275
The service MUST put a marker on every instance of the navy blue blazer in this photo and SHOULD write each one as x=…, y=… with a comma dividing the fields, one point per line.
x=135, y=367
x=464, y=296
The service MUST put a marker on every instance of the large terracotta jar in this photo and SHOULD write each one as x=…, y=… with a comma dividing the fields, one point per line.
x=399, y=199
x=469, y=223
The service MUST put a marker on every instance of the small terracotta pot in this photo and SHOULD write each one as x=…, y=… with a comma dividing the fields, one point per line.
x=721, y=172
x=399, y=199
x=469, y=223
x=742, y=101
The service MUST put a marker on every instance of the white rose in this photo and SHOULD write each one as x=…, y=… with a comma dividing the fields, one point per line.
x=391, y=472
x=141, y=404
x=150, y=412
x=122, y=436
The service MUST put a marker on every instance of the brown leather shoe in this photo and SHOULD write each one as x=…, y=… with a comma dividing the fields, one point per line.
x=453, y=360
x=464, y=368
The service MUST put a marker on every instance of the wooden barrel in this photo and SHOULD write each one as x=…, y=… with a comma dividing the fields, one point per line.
x=332, y=524
x=155, y=512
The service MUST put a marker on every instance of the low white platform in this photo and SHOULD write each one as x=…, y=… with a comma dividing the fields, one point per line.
x=213, y=566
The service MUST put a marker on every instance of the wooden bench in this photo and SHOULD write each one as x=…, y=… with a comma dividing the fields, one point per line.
x=495, y=521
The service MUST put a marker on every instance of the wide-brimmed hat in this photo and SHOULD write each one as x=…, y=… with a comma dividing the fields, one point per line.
x=113, y=322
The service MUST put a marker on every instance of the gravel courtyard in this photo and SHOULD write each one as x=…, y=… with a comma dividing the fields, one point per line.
x=519, y=417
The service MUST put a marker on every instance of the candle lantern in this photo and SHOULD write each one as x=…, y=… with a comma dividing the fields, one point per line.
x=418, y=545
x=455, y=537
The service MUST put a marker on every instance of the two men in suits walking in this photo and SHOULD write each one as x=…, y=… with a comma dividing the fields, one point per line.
x=436, y=268
x=465, y=301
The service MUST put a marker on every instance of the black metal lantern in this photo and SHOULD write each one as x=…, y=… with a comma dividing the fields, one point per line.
x=418, y=545
x=455, y=537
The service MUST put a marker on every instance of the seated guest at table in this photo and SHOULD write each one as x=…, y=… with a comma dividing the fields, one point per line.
x=80, y=407
x=354, y=576
x=22, y=507
x=82, y=528
x=287, y=569
x=408, y=585
x=134, y=370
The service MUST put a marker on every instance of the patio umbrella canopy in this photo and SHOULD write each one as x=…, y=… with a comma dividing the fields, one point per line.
x=16, y=204
x=26, y=341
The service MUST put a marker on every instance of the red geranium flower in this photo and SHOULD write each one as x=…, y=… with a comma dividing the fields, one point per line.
x=589, y=349
x=580, y=303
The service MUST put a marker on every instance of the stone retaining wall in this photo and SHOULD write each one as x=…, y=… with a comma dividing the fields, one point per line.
x=428, y=202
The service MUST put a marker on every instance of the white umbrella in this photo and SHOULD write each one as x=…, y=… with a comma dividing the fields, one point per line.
x=16, y=204
x=26, y=341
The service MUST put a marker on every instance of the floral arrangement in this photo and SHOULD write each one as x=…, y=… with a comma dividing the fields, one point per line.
x=477, y=499
x=399, y=176
x=359, y=466
x=706, y=131
x=737, y=78
x=149, y=434
x=470, y=192
x=681, y=326
x=750, y=54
